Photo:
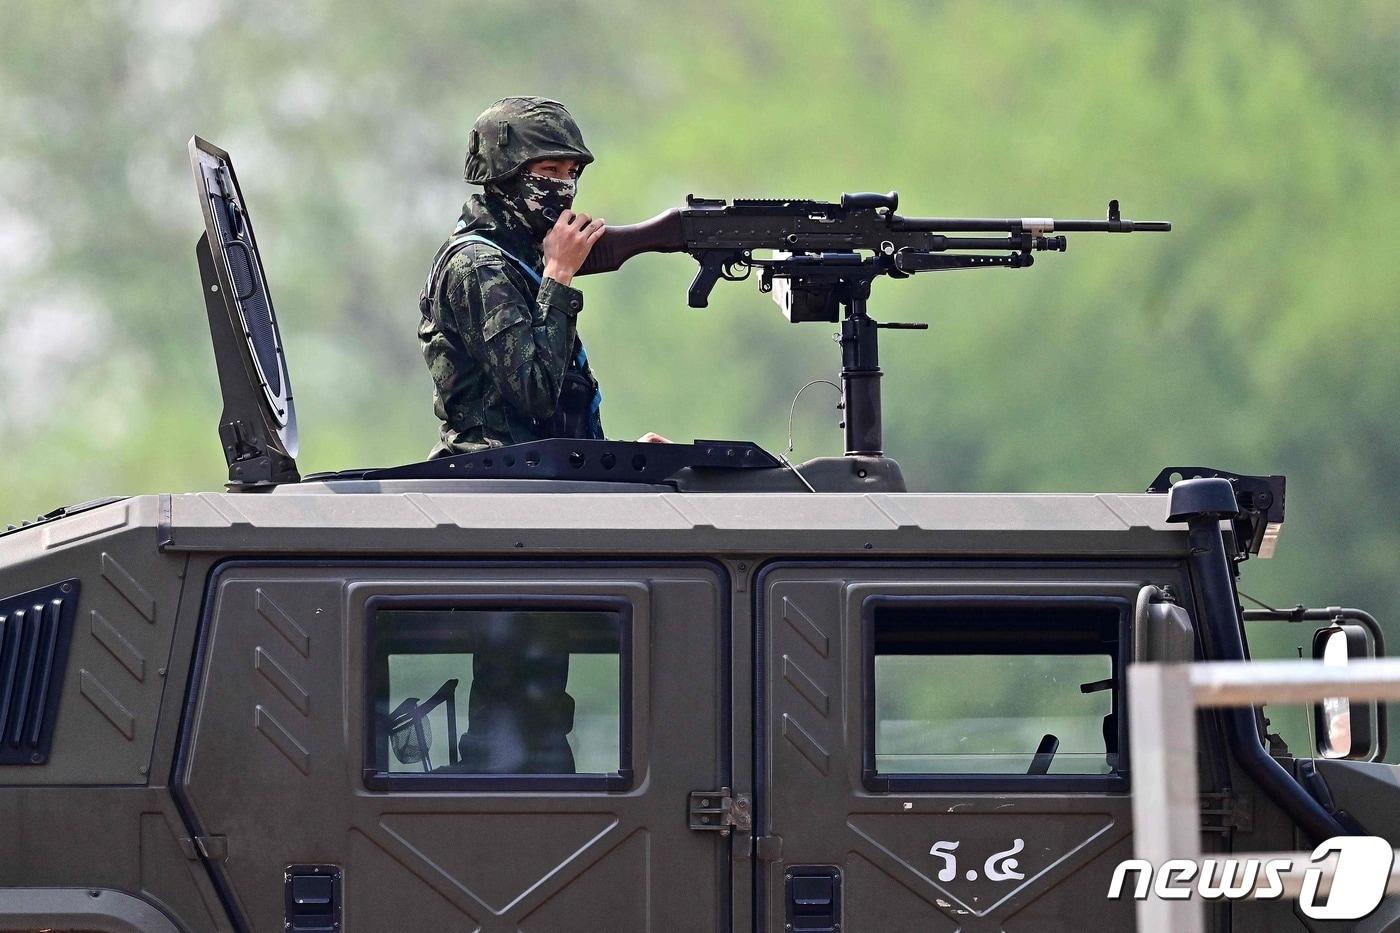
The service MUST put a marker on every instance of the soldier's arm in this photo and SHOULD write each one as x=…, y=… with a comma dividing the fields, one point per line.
x=526, y=340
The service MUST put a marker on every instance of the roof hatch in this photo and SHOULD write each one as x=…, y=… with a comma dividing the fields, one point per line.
x=258, y=426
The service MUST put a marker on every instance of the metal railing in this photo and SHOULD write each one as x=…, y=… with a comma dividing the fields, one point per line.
x=1162, y=700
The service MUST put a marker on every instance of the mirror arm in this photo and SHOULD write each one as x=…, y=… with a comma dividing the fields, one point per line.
x=1330, y=614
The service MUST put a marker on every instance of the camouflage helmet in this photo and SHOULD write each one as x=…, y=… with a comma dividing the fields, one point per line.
x=516, y=130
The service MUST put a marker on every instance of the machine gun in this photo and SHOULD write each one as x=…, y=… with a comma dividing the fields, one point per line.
x=812, y=234
x=825, y=256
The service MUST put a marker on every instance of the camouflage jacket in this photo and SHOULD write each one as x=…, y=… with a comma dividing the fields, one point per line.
x=497, y=346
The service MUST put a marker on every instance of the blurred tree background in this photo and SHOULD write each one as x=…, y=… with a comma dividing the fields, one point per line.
x=1259, y=336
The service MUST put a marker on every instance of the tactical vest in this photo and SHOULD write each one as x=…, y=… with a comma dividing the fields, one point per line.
x=578, y=412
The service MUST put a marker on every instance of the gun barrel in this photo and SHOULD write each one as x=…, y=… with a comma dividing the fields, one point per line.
x=1024, y=224
x=1112, y=226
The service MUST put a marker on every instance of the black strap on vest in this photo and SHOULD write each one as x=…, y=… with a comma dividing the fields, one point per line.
x=429, y=296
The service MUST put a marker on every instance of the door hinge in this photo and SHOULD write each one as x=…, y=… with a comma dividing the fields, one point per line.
x=1222, y=812
x=721, y=811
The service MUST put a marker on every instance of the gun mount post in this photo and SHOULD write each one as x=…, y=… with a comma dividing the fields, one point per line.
x=835, y=287
x=860, y=373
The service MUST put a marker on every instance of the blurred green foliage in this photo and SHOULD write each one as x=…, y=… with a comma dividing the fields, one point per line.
x=1259, y=336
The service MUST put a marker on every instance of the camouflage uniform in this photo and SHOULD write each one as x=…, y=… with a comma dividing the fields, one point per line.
x=505, y=356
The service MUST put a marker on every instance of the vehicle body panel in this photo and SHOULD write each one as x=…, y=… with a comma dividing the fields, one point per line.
x=199, y=615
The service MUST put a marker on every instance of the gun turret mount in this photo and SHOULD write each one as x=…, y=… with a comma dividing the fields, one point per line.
x=835, y=287
x=826, y=254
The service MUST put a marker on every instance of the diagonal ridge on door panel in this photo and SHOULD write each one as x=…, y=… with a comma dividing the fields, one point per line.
x=120, y=647
x=467, y=849
x=277, y=675
x=810, y=748
x=285, y=625
x=870, y=891
x=399, y=891
x=802, y=682
x=802, y=624
x=613, y=895
x=133, y=592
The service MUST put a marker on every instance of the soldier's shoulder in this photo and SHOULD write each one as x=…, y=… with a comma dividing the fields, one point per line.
x=482, y=262
x=475, y=254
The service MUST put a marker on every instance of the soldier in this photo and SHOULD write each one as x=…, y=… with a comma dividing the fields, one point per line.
x=499, y=333
x=499, y=311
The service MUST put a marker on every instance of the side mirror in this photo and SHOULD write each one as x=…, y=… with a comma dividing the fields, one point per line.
x=1344, y=729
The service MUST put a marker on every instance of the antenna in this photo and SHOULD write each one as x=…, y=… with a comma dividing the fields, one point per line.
x=258, y=425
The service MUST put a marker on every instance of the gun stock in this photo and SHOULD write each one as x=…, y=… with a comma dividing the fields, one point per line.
x=664, y=233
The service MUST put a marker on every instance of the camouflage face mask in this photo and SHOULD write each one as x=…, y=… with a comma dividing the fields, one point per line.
x=538, y=199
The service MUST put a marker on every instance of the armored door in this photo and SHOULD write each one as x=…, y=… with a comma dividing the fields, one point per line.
x=461, y=747
x=943, y=747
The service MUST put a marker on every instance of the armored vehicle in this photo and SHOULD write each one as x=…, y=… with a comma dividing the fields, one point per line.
x=603, y=686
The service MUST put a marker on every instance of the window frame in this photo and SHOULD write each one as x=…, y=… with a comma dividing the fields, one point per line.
x=378, y=779
x=877, y=782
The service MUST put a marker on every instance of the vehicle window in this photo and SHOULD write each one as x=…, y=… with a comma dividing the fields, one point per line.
x=498, y=692
x=1003, y=690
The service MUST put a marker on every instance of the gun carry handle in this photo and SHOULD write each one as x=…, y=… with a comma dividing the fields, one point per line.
x=662, y=234
x=869, y=200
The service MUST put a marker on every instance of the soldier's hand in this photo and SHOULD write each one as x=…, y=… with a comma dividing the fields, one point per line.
x=567, y=243
x=651, y=437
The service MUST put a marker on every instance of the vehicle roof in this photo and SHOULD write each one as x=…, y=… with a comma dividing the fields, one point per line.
x=427, y=518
